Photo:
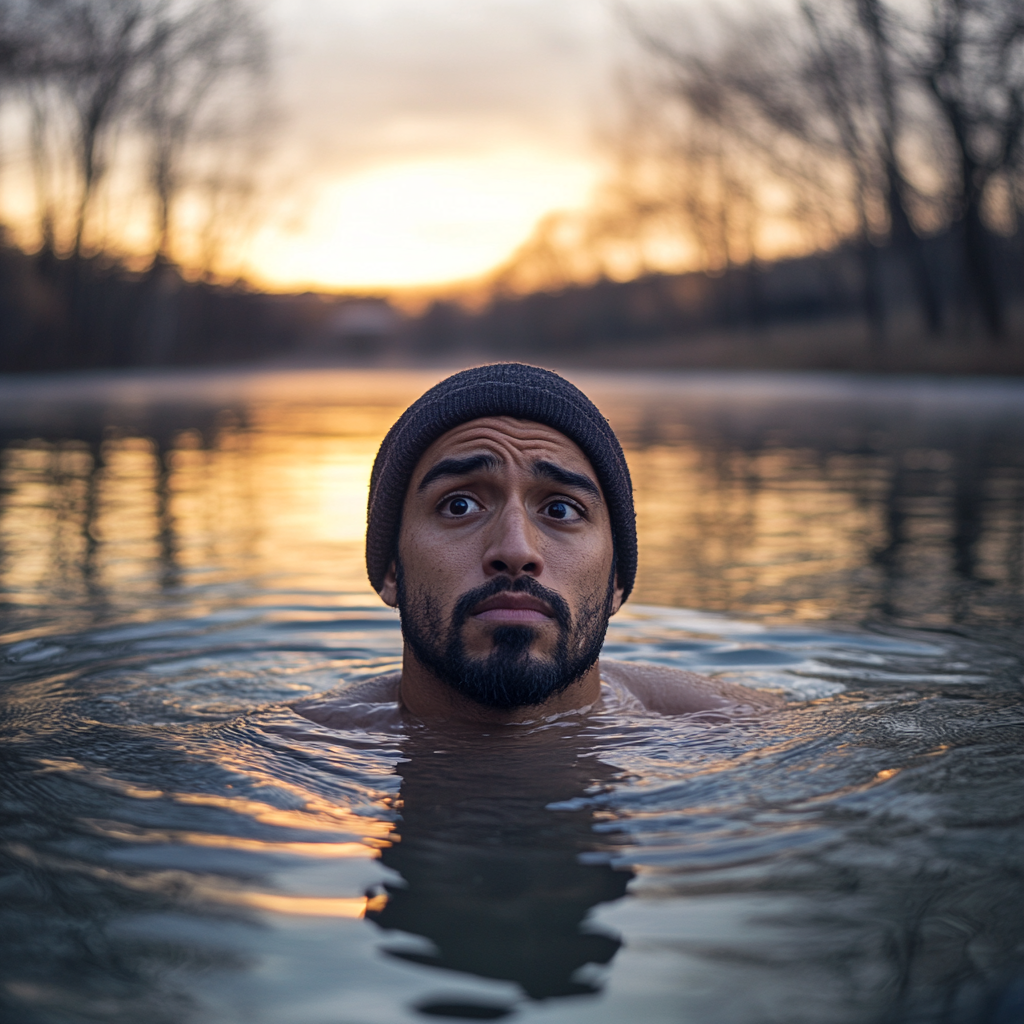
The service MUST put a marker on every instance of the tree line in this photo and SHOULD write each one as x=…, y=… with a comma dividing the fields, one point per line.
x=895, y=127
x=133, y=131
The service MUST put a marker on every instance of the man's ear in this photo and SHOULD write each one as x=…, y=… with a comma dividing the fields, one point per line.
x=389, y=588
x=617, y=596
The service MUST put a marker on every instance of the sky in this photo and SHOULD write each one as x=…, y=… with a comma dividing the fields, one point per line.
x=418, y=142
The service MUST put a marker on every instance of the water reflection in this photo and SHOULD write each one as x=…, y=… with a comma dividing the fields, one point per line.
x=792, y=502
x=179, y=556
x=492, y=874
x=178, y=845
x=826, y=497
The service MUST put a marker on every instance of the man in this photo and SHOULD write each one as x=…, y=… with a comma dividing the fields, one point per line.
x=501, y=525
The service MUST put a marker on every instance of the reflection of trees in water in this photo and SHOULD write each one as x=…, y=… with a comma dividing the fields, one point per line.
x=93, y=512
x=492, y=875
x=964, y=502
x=805, y=507
x=847, y=509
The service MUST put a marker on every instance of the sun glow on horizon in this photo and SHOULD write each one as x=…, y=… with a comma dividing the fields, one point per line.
x=420, y=223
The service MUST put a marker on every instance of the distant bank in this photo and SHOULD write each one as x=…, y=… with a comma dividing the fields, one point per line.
x=808, y=313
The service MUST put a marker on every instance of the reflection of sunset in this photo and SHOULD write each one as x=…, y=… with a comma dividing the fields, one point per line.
x=210, y=889
x=277, y=491
x=421, y=222
x=315, y=815
x=304, y=906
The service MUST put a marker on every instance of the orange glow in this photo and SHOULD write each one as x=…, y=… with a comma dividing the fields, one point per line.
x=317, y=815
x=221, y=842
x=419, y=223
x=415, y=222
x=306, y=906
x=211, y=889
x=114, y=830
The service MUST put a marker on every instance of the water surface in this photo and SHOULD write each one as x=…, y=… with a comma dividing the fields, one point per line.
x=180, y=556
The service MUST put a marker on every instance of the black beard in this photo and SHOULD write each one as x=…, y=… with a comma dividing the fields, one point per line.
x=509, y=677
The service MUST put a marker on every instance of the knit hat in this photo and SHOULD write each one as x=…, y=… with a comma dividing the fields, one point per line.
x=500, y=389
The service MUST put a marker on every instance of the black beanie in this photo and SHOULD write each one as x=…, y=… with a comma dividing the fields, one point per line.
x=501, y=389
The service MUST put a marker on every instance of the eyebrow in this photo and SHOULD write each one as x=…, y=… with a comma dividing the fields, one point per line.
x=472, y=463
x=457, y=467
x=567, y=478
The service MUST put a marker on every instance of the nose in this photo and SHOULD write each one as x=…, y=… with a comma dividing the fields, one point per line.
x=512, y=545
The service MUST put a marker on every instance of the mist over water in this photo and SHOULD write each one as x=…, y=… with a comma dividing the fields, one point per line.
x=181, y=555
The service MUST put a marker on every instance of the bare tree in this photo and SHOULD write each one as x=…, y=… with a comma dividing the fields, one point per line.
x=969, y=56
x=24, y=70
x=124, y=66
x=42, y=170
x=889, y=72
x=838, y=73
x=854, y=86
x=208, y=41
x=89, y=72
x=97, y=52
x=777, y=106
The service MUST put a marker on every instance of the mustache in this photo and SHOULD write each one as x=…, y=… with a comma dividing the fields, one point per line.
x=503, y=584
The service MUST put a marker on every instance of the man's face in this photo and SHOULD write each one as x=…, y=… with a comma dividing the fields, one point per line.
x=504, y=576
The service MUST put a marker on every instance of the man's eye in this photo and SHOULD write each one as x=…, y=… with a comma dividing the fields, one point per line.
x=562, y=510
x=460, y=506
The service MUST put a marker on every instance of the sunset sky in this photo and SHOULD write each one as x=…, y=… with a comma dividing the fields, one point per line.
x=419, y=141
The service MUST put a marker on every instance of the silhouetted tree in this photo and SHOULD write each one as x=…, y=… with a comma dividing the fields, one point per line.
x=208, y=40
x=88, y=75
x=98, y=50
x=969, y=54
x=93, y=72
x=887, y=69
x=823, y=117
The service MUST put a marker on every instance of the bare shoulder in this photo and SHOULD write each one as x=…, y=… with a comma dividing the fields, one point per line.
x=673, y=691
x=358, y=706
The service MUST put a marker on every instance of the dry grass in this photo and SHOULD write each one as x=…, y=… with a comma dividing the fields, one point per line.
x=833, y=345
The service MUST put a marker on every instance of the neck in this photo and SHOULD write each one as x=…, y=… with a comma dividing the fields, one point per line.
x=422, y=694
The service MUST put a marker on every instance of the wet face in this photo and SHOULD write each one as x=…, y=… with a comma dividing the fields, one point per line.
x=504, y=575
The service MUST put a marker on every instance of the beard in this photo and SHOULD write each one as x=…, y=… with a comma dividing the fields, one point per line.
x=510, y=676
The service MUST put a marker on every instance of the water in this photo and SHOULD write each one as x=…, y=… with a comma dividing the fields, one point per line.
x=181, y=557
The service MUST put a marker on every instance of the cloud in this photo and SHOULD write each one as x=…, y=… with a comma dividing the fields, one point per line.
x=411, y=79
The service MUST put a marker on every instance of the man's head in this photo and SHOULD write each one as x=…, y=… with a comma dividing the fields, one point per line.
x=501, y=524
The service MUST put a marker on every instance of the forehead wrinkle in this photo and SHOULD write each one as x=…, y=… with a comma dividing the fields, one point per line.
x=523, y=441
x=509, y=428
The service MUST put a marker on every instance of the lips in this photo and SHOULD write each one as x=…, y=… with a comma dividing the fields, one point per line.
x=511, y=607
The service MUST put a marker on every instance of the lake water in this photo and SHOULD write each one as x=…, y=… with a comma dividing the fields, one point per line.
x=180, y=556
